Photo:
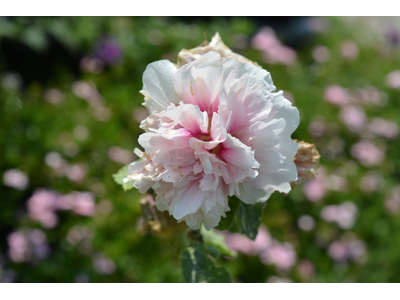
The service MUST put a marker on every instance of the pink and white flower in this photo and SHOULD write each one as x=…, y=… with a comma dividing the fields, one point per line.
x=216, y=128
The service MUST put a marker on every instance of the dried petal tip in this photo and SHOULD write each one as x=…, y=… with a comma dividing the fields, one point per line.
x=186, y=56
x=307, y=162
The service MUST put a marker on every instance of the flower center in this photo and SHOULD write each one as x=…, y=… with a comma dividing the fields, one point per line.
x=217, y=149
x=205, y=137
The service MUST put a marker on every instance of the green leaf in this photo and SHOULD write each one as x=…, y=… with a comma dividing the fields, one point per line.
x=227, y=222
x=217, y=240
x=249, y=219
x=213, y=251
x=197, y=266
x=119, y=178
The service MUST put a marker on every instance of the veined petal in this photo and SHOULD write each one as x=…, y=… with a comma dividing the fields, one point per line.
x=209, y=182
x=254, y=195
x=158, y=85
x=209, y=160
x=236, y=153
x=189, y=117
x=283, y=108
x=218, y=128
x=183, y=79
x=206, y=86
x=256, y=75
x=187, y=200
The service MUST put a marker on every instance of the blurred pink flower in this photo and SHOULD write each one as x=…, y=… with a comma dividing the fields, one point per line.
x=42, y=206
x=385, y=128
x=357, y=250
x=103, y=265
x=315, y=189
x=241, y=243
x=370, y=95
x=282, y=255
x=85, y=205
x=81, y=203
x=337, y=95
x=270, y=251
x=120, y=155
x=54, y=96
x=392, y=200
x=372, y=181
x=317, y=128
x=354, y=118
x=338, y=251
x=306, y=268
x=91, y=64
x=274, y=52
x=16, y=179
x=349, y=50
x=280, y=54
x=265, y=39
x=393, y=80
x=87, y=91
x=348, y=249
x=306, y=223
x=75, y=172
x=27, y=245
x=320, y=53
x=55, y=161
x=343, y=214
x=367, y=153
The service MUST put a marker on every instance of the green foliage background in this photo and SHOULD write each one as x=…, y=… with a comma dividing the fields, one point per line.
x=30, y=127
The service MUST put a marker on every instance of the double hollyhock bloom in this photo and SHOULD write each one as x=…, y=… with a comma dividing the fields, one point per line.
x=216, y=128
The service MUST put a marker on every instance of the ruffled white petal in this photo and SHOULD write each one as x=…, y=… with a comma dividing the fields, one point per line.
x=234, y=152
x=190, y=117
x=158, y=86
x=187, y=200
